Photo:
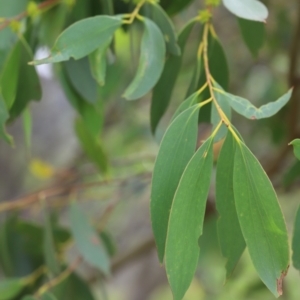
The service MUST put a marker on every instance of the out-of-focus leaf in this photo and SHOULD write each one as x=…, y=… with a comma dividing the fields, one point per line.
x=6, y=263
x=253, y=34
x=247, y=9
x=261, y=219
x=186, y=220
x=27, y=125
x=82, y=38
x=10, y=288
x=296, y=241
x=92, y=146
x=174, y=6
x=48, y=296
x=163, y=90
x=108, y=242
x=10, y=76
x=162, y=20
x=4, y=116
x=107, y=7
x=229, y=231
x=296, y=145
x=151, y=63
x=248, y=110
x=28, y=297
x=176, y=149
x=87, y=240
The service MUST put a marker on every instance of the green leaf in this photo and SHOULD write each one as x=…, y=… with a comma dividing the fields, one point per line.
x=247, y=9
x=291, y=175
x=261, y=219
x=186, y=220
x=174, y=6
x=48, y=296
x=108, y=242
x=4, y=116
x=162, y=20
x=10, y=76
x=229, y=231
x=177, y=147
x=151, y=63
x=27, y=125
x=97, y=61
x=248, y=110
x=163, y=90
x=28, y=297
x=215, y=117
x=107, y=7
x=82, y=38
x=296, y=241
x=296, y=145
x=196, y=77
x=92, y=146
x=10, y=288
x=87, y=240
x=253, y=34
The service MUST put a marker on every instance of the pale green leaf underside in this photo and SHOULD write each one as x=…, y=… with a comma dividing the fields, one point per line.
x=186, y=220
x=151, y=63
x=229, y=231
x=87, y=240
x=261, y=219
x=177, y=147
x=247, y=9
x=82, y=38
x=248, y=110
x=10, y=288
x=296, y=145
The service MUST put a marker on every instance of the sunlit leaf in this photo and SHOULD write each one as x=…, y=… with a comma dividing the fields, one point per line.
x=230, y=236
x=247, y=9
x=186, y=220
x=87, y=240
x=296, y=145
x=296, y=241
x=248, y=110
x=163, y=90
x=253, y=34
x=177, y=147
x=10, y=288
x=151, y=63
x=261, y=219
x=82, y=38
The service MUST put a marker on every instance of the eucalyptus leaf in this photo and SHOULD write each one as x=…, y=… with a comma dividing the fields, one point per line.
x=82, y=38
x=10, y=288
x=248, y=110
x=247, y=9
x=296, y=144
x=174, y=6
x=296, y=241
x=163, y=90
x=177, y=147
x=27, y=125
x=151, y=63
x=88, y=241
x=186, y=220
x=229, y=231
x=4, y=116
x=261, y=219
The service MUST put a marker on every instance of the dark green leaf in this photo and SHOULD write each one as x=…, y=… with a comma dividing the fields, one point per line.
x=177, y=147
x=3, y=118
x=296, y=241
x=48, y=296
x=174, y=6
x=196, y=77
x=253, y=34
x=92, y=146
x=28, y=297
x=230, y=236
x=247, y=9
x=82, y=38
x=10, y=288
x=163, y=90
x=107, y=7
x=296, y=145
x=108, y=242
x=162, y=20
x=261, y=219
x=248, y=110
x=151, y=63
x=186, y=220
x=87, y=240
x=291, y=175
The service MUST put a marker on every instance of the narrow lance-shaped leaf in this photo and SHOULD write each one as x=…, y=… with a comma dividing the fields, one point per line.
x=87, y=240
x=27, y=125
x=163, y=90
x=82, y=38
x=177, y=147
x=296, y=241
x=247, y=9
x=193, y=86
x=10, y=288
x=229, y=231
x=186, y=220
x=296, y=145
x=3, y=118
x=261, y=219
x=248, y=110
x=151, y=63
